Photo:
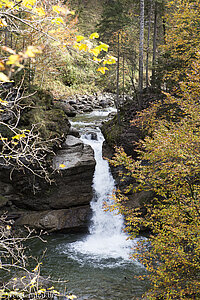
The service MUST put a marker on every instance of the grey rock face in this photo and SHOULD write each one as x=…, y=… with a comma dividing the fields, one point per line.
x=67, y=108
x=72, y=143
x=62, y=206
x=74, y=168
x=74, y=132
x=66, y=220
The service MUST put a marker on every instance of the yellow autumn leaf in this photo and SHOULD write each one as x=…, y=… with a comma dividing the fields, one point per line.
x=32, y=50
x=103, y=47
x=13, y=59
x=3, y=139
x=76, y=45
x=94, y=35
x=41, y=291
x=2, y=67
x=3, y=23
x=4, y=78
x=55, y=292
x=62, y=166
x=97, y=59
x=28, y=3
x=71, y=297
x=79, y=38
x=95, y=51
x=56, y=8
x=8, y=227
x=102, y=69
x=57, y=21
x=33, y=281
x=83, y=47
x=29, y=52
x=111, y=60
x=8, y=4
x=36, y=268
x=40, y=11
x=3, y=102
x=18, y=136
x=23, y=277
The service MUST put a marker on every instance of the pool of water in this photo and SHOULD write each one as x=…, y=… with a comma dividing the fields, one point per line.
x=91, y=277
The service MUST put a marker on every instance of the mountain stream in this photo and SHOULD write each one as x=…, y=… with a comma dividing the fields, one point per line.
x=96, y=265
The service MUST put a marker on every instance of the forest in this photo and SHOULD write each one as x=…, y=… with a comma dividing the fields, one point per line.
x=65, y=59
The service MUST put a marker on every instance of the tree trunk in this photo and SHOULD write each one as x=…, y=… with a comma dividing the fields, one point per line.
x=154, y=44
x=117, y=100
x=141, y=50
x=164, y=29
x=148, y=44
x=123, y=77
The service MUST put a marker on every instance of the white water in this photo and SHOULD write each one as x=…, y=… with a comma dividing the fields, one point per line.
x=106, y=239
x=103, y=113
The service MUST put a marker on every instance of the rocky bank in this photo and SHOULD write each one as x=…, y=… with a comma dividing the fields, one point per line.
x=80, y=104
x=121, y=132
x=65, y=204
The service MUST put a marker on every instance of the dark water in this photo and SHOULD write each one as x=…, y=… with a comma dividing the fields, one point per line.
x=88, y=277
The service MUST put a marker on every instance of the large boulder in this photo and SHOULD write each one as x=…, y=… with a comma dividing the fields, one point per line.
x=74, y=167
x=67, y=108
x=74, y=132
x=73, y=143
x=76, y=163
x=66, y=220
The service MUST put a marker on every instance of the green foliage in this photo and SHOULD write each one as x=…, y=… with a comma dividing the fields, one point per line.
x=69, y=72
x=115, y=16
x=182, y=20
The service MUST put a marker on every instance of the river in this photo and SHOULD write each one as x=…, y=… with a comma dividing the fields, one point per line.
x=96, y=265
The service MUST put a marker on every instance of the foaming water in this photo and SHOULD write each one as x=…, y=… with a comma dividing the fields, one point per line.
x=107, y=239
x=103, y=113
x=93, y=119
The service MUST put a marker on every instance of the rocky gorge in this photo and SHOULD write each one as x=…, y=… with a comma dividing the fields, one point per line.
x=65, y=204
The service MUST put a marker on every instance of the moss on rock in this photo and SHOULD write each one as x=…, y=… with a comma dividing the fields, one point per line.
x=49, y=120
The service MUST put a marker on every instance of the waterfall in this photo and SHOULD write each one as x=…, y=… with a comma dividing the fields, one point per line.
x=106, y=239
x=96, y=265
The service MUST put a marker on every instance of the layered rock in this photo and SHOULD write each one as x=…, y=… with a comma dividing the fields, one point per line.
x=76, y=162
x=74, y=219
x=64, y=205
